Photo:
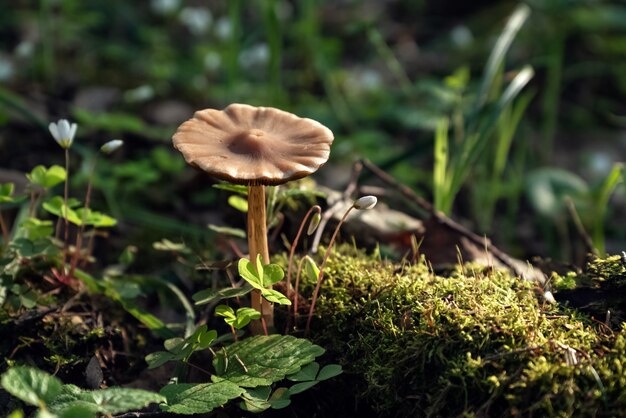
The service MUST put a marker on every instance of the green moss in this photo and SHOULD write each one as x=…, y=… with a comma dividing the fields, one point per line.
x=610, y=269
x=476, y=343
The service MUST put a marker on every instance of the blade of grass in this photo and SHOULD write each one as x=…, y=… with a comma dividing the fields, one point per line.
x=496, y=58
x=474, y=145
x=600, y=205
x=440, y=184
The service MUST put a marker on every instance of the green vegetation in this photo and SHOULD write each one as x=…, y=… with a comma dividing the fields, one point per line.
x=121, y=266
x=473, y=343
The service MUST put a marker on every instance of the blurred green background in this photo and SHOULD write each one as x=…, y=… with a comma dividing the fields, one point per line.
x=497, y=111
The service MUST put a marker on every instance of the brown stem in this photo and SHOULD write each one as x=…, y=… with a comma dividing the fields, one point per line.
x=33, y=202
x=320, y=277
x=90, y=245
x=294, y=244
x=5, y=230
x=295, y=299
x=257, y=245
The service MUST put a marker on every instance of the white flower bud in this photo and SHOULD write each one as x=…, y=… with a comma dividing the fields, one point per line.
x=365, y=202
x=549, y=297
x=111, y=146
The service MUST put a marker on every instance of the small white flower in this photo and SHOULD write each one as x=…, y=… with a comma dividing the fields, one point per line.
x=111, y=146
x=63, y=132
x=365, y=202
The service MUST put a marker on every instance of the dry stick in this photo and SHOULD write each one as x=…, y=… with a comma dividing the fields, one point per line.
x=320, y=277
x=443, y=219
x=580, y=228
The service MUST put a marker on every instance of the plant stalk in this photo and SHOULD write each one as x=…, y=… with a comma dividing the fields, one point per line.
x=320, y=277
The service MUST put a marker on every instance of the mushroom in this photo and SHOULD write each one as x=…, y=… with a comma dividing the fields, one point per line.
x=254, y=146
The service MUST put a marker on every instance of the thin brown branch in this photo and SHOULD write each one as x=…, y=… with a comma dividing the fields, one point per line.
x=442, y=219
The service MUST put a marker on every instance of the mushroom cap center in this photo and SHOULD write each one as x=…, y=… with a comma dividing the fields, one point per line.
x=250, y=142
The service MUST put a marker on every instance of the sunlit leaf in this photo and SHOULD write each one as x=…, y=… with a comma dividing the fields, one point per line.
x=272, y=273
x=47, y=177
x=209, y=295
x=248, y=273
x=268, y=359
x=201, y=398
x=238, y=203
x=31, y=385
x=275, y=296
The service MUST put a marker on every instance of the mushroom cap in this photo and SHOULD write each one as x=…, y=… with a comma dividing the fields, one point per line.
x=253, y=145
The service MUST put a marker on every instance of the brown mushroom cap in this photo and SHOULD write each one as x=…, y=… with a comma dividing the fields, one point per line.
x=253, y=145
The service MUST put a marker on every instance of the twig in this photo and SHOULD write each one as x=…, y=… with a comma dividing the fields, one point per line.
x=442, y=219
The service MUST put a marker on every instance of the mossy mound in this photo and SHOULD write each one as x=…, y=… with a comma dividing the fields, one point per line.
x=476, y=343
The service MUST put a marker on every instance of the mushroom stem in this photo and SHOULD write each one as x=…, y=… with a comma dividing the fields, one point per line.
x=257, y=244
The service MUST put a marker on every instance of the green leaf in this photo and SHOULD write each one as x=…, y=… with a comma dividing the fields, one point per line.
x=159, y=358
x=238, y=203
x=225, y=311
x=6, y=192
x=57, y=207
x=308, y=372
x=249, y=274
x=310, y=269
x=78, y=411
x=280, y=398
x=106, y=401
x=235, y=232
x=301, y=387
x=275, y=296
x=174, y=345
x=244, y=316
x=272, y=273
x=96, y=219
x=498, y=53
x=167, y=245
x=114, y=400
x=329, y=371
x=259, y=269
x=124, y=288
x=201, y=398
x=206, y=338
x=548, y=187
x=268, y=359
x=31, y=385
x=47, y=177
x=35, y=229
x=209, y=295
x=235, y=188
x=27, y=248
x=256, y=400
